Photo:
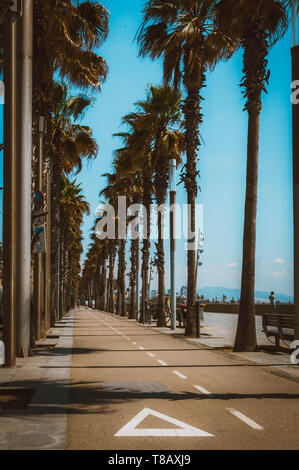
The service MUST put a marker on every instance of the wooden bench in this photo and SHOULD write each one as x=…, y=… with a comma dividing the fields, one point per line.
x=279, y=326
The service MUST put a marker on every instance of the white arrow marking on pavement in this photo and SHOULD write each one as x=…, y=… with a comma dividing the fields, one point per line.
x=245, y=419
x=129, y=430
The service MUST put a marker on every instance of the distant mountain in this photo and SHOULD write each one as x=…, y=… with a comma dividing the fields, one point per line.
x=213, y=292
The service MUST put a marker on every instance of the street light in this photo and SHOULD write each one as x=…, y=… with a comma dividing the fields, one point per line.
x=24, y=170
x=9, y=16
x=172, y=200
x=295, y=78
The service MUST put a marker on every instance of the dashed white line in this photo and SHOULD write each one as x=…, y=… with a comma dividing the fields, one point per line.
x=162, y=363
x=179, y=374
x=133, y=342
x=142, y=348
x=150, y=354
x=202, y=390
x=245, y=419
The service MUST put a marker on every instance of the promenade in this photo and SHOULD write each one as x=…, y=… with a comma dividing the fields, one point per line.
x=110, y=383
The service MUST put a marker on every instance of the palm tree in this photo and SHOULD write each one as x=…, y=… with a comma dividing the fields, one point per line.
x=79, y=29
x=157, y=116
x=183, y=34
x=256, y=25
x=93, y=280
x=70, y=141
x=138, y=145
x=70, y=144
x=128, y=171
x=73, y=208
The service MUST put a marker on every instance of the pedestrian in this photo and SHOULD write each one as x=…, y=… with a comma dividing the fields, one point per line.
x=86, y=304
x=93, y=304
x=272, y=299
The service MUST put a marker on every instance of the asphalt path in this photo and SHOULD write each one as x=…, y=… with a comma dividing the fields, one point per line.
x=135, y=388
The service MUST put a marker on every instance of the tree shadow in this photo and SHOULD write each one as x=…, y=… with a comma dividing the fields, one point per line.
x=56, y=397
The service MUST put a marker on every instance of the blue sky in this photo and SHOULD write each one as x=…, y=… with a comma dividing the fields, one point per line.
x=222, y=156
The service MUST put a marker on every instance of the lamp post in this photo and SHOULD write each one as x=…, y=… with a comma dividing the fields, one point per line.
x=137, y=273
x=38, y=268
x=9, y=16
x=295, y=77
x=24, y=155
x=172, y=200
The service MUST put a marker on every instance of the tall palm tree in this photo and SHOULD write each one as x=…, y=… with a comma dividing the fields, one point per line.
x=130, y=174
x=138, y=145
x=93, y=279
x=183, y=34
x=70, y=143
x=73, y=208
x=256, y=25
x=70, y=53
x=157, y=116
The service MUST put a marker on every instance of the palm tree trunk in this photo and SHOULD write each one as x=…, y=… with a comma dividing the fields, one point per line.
x=193, y=118
x=147, y=200
x=104, y=284
x=246, y=331
x=55, y=240
x=161, y=182
x=112, y=253
x=118, y=298
x=122, y=263
x=133, y=275
x=255, y=70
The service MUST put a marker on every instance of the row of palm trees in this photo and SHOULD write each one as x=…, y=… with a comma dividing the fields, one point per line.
x=190, y=37
x=67, y=36
x=72, y=57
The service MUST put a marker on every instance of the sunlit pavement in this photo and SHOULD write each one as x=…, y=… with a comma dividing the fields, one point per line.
x=134, y=388
x=111, y=383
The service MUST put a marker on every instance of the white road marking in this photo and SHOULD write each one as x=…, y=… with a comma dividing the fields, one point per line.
x=245, y=419
x=129, y=430
x=179, y=374
x=162, y=362
x=150, y=354
x=202, y=390
x=140, y=347
x=133, y=342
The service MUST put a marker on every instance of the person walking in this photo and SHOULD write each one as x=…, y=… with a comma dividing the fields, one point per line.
x=86, y=304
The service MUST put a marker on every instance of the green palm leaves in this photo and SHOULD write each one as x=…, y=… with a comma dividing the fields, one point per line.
x=70, y=141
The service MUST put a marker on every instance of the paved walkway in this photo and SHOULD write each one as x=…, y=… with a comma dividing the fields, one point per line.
x=133, y=388
x=120, y=385
x=42, y=425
